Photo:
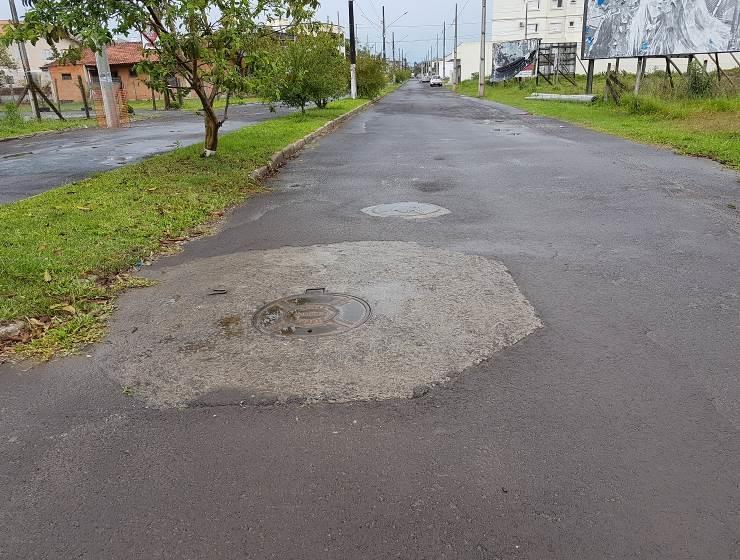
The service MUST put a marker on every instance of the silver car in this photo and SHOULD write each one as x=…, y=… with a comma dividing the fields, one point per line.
x=436, y=81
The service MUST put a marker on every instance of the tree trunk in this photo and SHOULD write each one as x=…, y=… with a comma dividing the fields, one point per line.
x=212, y=126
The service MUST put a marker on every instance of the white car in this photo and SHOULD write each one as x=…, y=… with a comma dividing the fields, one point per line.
x=425, y=79
x=436, y=81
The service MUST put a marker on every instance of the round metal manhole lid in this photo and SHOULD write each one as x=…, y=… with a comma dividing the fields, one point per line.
x=408, y=210
x=315, y=313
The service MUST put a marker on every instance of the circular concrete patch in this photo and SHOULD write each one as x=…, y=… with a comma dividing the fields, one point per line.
x=407, y=210
x=434, y=314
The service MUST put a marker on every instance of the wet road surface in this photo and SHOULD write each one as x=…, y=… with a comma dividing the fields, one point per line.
x=611, y=432
x=30, y=166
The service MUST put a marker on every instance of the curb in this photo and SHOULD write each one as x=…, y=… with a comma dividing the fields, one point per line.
x=280, y=158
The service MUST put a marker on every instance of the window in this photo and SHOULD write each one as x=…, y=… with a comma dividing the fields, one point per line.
x=132, y=72
x=557, y=3
x=521, y=24
x=556, y=27
x=533, y=27
x=533, y=4
x=66, y=76
x=571, y=24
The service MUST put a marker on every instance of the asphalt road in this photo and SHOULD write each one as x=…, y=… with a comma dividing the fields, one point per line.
x=33, y=165
x=611, y=432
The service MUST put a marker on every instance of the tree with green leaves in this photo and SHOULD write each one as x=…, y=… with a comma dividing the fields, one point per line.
x=206, y=42
x=308, y=68
x=7, y=62
x=371, y=74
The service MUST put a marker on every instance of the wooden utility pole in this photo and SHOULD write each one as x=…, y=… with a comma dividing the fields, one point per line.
x=81, y=85
x=26, y=66
x=482, y=69
x=352, y=51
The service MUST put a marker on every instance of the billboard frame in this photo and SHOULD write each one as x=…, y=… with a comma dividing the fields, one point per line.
x=671, y=55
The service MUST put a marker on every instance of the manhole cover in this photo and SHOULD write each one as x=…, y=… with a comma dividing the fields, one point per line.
x=408, y=210
x=315, y=313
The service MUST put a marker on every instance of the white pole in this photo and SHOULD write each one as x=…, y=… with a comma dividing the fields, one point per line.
x=455, y=74
x=482, y=70
x=106, y=88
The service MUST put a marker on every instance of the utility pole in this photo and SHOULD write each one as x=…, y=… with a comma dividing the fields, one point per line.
x=384, y=59
x=438, y=54
x=106, y=88
x=456, y=78
x=526, y=18
x=352, y=51
x=393, y=47
x=444, y=51
x=26, y=66
x=482, y=69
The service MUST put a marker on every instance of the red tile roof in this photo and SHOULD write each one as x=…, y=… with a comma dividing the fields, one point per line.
x=118, y=54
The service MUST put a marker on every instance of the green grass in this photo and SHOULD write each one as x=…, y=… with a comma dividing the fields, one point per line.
x=700, y=127
x=65, y=252
x=13, y=130
x=193, y=104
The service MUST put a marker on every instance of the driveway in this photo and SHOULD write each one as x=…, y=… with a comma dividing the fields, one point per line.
x=610, y=431
x=33, y=165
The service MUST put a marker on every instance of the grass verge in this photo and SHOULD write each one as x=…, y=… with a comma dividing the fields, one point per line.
x=65, y=252
x=14, y=130
x=193, y=104
x=700, y=127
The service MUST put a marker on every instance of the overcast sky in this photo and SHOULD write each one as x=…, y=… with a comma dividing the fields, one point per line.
x=415, y=32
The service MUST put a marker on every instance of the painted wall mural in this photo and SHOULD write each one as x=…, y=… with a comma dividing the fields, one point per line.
x=629, y=28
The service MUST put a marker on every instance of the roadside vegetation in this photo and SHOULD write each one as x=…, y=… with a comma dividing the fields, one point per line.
x=13, y=124
x=191, y=104
x=698, y=116
x=65, y=253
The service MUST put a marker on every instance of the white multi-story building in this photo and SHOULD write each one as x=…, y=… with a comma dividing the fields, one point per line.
x=551, y=21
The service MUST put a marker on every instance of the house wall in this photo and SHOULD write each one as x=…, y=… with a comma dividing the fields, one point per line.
x=39, y=55
x=64, y=81
x=68, y=90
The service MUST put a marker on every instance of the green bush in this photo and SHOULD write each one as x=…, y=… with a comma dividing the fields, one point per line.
x=311, y=68
x=699, y=83
x=371, y=76
x=12, y=116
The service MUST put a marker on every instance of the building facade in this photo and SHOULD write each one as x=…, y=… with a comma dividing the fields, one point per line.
x=122, y=58
x=40, y=56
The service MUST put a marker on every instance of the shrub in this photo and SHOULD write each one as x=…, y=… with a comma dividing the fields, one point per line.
x=12, y=116
x=311, y=68
x=371, y=76
x=698, y=83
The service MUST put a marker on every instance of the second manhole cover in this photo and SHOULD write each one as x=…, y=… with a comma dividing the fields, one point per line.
x=408, y=210
x=315, y=313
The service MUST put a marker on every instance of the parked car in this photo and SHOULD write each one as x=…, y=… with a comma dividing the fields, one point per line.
x=436, y=81
x=425, y=79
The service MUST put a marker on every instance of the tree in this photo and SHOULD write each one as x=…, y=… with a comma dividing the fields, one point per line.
x=309, y=68
x=371, y=76
x=206, y=42
x=6, y=63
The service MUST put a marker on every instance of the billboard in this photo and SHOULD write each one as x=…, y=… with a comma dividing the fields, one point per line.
x=514, y=59
x=557, y=59
x=630, y=28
